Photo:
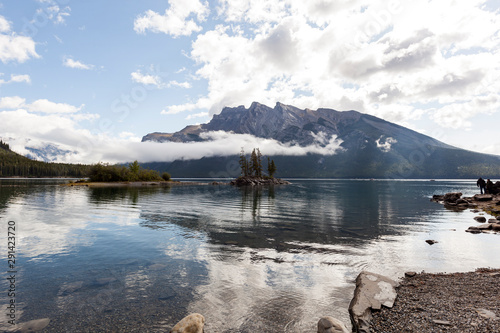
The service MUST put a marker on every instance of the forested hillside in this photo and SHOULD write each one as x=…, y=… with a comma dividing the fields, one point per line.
x=15, y=165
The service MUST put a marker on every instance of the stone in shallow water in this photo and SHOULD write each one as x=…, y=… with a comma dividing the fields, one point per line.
x=331, y=325
x=191, y=324
x=480, y=219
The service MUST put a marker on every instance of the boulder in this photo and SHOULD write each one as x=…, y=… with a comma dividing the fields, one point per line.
x=495, y=226
x=480, y=219
x=492, y=221
x=485, y=226
x=437, y=198
x=473, y=230
x=483, y=197
x=498, y=217
x=331, y=325
x=452, y=197
x=431, y=242
x=193, y=323
x=372, y=291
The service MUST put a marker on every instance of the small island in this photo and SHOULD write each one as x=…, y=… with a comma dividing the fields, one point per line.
x=252, y=171
x=103, y=174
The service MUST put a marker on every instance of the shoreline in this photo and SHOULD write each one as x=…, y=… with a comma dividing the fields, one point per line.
x=435, y=302
x=452, y=302
x=141, y=184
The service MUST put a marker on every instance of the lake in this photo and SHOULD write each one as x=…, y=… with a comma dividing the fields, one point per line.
x=249, y=260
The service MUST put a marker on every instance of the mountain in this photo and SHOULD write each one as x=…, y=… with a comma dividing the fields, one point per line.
x=371, y=147
x=14, y=165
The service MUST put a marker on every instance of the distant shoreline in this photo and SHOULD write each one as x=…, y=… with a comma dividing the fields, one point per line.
x=140, y=184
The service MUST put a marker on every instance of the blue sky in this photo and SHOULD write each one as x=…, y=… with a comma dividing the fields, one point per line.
x=93, y=77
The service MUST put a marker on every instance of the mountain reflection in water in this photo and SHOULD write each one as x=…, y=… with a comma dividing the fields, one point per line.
x=267, y=259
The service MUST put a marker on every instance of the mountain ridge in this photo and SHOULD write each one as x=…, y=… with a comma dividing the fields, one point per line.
x=371, y=147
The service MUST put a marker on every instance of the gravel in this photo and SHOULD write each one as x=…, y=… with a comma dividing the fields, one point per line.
x=457, y=302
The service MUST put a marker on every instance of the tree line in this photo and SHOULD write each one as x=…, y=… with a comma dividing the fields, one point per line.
x=101, y=172
x=252, y=167
x=15, y=165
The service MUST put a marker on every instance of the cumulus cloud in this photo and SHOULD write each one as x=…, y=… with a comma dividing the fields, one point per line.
x=14, y=47
x=15, y=78
x=146, y=79
x=71, y=63
x=13, y=102
x=373, y=56
x=39, y=105
x=178, y=20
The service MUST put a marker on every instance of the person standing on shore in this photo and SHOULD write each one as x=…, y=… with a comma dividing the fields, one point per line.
x=489, y=186
x=482, y=184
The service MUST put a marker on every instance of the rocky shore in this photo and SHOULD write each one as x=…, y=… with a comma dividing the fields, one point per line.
x=458, y=302
x=488, y=203
x=257, y=181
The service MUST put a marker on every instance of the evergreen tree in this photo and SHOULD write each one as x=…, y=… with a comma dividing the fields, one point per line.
x=254, y=164
x=244, y=163
x=258, y=171
x=271, y=167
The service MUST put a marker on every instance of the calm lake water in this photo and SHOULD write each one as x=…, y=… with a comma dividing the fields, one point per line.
x=249, y=260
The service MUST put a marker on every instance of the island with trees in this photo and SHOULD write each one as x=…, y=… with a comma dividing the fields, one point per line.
x=252, y=171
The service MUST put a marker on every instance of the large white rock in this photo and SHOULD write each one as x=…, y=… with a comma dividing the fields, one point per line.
x=372, y=291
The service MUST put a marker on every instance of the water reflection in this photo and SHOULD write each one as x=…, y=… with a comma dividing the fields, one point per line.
x=248, y=259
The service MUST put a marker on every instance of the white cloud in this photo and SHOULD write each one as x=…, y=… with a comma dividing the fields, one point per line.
x=146, y=79
x=4, y=25
x=373, y=56
x=17, y=78
x=11, y=102
x=46, y=106
x=14, y=47
x=178, y=20
x=52, y=12
x=20, y=78
x=71, y=63
x=385, y=144
x=458, y=115
x=39, y=105
x=185, y=85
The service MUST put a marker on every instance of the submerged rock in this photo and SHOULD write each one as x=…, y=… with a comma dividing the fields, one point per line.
x=193, y=323
x=372, y=291
x=33, y=325
x=331, y=325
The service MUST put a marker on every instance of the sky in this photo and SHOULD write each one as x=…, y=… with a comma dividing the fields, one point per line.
x=90, y=78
